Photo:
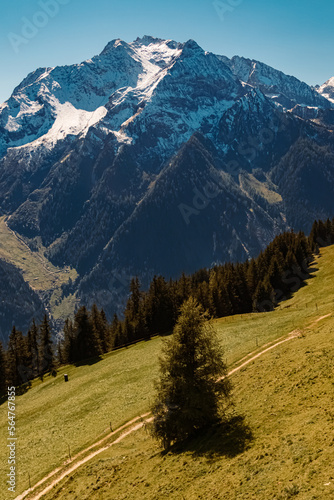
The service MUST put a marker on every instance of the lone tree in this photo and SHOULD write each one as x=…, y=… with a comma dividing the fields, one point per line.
x=193, y=385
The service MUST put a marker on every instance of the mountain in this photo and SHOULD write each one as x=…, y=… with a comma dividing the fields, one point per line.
x=159, y=157
x=327, y=90
x=20, y=304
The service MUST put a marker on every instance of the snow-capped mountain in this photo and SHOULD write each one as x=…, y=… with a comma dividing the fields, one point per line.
x=286, y=91
x=327, y=90
x=157, y=157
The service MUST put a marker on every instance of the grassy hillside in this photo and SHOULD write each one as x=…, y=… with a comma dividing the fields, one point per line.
x=37, y=271
x=283, y=450
x=270, y=392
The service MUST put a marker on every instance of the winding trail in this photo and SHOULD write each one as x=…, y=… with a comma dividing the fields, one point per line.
x=132, y=426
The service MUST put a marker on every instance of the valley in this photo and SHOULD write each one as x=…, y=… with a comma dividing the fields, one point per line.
x=43, y=278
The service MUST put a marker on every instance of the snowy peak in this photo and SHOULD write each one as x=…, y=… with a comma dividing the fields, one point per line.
x=285, y=90
x=327, y=89
x=148, y=40
x=178, y=85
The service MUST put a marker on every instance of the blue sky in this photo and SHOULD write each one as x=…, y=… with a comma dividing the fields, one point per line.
x=295, y=36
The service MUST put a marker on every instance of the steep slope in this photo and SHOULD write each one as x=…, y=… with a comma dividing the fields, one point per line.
x=283, y=89
x=19, y=302
x=304, y=172
x=170, y=231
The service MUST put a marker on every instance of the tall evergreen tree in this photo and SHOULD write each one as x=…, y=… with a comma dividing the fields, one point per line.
x=87, y=341
x=99, y=329
x=193, y=385
x=16, y=359
x=47, y=357
x=34, y=349
x=69, y=342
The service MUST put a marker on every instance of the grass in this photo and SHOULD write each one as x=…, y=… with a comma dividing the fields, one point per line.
x=41, y=275
x=284, y=449
x=53, y=415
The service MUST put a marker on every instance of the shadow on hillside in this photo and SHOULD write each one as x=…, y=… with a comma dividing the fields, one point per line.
x=88, y=362
x=229, y=439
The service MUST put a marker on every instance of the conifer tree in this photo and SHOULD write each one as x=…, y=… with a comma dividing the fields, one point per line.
x=34, y=349
x=47, y=358
x=87, y=341
x=133, y=303
x=114, y=340
x=16, y=358
x=99, y=329
x=159, y=307
x=69, y=343
x=193, y=385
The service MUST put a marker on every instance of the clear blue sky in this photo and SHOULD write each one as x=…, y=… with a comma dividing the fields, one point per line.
x=295, y=36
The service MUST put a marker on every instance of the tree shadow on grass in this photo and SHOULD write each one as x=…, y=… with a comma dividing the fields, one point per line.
x=88, y=362
x=229, y=438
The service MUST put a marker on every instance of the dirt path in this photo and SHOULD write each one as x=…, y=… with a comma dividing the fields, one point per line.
x=133, y=428
x=292, y=335
x=98, y=443
x=319, y=319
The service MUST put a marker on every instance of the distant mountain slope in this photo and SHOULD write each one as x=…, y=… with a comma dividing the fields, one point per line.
x=19, y=304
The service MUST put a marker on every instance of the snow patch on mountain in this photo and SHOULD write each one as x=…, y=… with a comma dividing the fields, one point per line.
x=327, y=89
x=150, y=85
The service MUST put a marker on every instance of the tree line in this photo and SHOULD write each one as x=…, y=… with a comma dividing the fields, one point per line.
x=27, y=356
x=258, y=284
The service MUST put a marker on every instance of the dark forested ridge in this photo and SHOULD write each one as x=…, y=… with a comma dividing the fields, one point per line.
x=256, y=285
x=18, y=302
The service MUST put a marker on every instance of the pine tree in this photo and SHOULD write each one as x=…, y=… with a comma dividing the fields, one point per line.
x=114, y=340
x=264, y=297
x=133, y=303
x=193, y=383
x=34, y=347
x=99, y=329
x=159, y=306
x=47, y=358
x=16, y=359
x=87, y=342
x=69, y=343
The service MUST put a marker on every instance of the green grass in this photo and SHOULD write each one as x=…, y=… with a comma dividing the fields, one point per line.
x=53, y=414
x=284, y=448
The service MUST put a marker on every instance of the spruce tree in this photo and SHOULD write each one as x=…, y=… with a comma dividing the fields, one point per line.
x=47, y=358
x=69, y=343
x=87, y=341
x=100, y=329
x=16, y=359
x=34, y=348
x=193, y=385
